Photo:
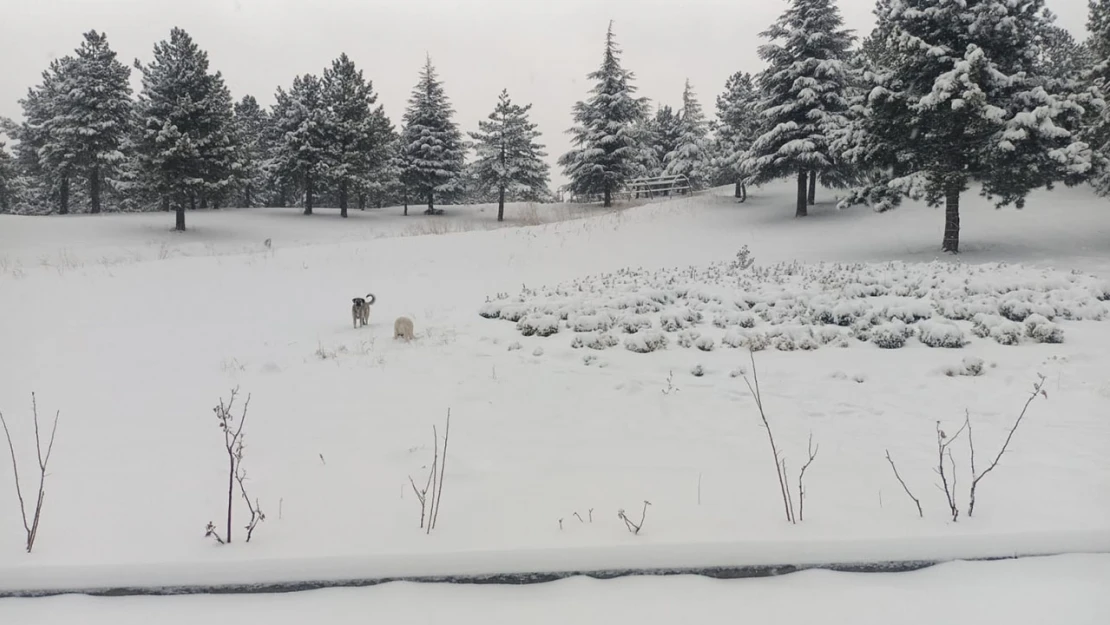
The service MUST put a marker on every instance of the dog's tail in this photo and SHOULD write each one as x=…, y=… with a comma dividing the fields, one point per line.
x=371, y=299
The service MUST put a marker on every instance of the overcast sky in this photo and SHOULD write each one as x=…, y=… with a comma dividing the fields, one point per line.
x=540, y=50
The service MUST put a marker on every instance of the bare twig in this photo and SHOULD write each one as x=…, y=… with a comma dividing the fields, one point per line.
x=31, y=527
x=812, y=451
x=234, y=446
x=634, y=527
x=1038, y=389
x=435, y=464
x=770, y=437
x=943, y=442
x=579, y=517
x=442, y=469
x=916, y=502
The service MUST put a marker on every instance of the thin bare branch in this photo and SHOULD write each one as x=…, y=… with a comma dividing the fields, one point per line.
x=442, y=469
x=1038, y=389
x=916, y=502
x=812, y=451
x=770, y=437
x=15, y=470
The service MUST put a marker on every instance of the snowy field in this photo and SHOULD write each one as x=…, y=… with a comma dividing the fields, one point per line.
x=134, y=333
x=1064, y=589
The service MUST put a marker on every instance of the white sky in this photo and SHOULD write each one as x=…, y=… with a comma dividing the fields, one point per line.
x=541, y=50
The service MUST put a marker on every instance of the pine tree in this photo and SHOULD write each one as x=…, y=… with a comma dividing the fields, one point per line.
x=960, y=100
x=252, y=138
x=661, y=136
x=805, y=97
x=302, y=117
x=737, y=127
x=608, y=146
x=1098, y=126
x=7, y=175
x=690, y=157
x=349, y=98
x=432, y=145
x=384, y=174
x=92, y=114
x=509, y=160
x=186, y=125
x=38, y=150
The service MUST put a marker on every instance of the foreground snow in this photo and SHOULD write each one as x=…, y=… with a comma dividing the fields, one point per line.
x=1063, y=589
x=135, y=352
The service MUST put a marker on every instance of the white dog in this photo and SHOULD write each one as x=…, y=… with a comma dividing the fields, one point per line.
x=402, y=328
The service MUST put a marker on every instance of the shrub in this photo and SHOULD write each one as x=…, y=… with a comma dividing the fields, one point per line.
x=634, y=323
x=646, y=341
x=686, y=338
x=890, y=335
x=545, y=325
x=697, y=371
x=1042, y=330
x=941, y=333
x=672, y=322
x=706, y=344
x=971, y=367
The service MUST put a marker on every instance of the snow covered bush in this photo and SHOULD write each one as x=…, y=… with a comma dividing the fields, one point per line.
x=537, y=352
x=706, y=344
x=890, y=335
x=941, y=333
x=686, y=338
x=971, y=367
x=543, y=326
x=1041, y=330
x=646, y=341
x=515, y=346
x=598, y=341
x=831, y=303
x=697, y=371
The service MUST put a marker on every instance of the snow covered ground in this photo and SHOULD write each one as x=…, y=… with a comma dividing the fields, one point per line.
x=1065, y=589
x=134, y=333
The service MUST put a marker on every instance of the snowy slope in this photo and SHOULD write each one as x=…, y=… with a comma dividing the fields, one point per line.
x=134, y=333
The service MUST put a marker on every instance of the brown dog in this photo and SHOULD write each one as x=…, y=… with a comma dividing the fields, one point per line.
x=360, y=310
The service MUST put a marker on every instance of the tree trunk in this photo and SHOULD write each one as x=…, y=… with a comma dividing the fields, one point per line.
x=166, y=203
x=192, y=202
x=180, y=225
x=308, y=189
x=204, y=201
x=608, y=197
x=406, y=201
x=952, y=218
x=803, y=179
x=431, y=206
x=94, y=190
x=736, y=190
x=362, y=200
x=63, y=196
x=812, y=187
x=247, y=196
x=501, y=204
x=741, y=191
x=343, y=199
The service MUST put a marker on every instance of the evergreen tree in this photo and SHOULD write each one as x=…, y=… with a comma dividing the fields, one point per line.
x=7, y=177
x=186, y=125
x=690, y=157
x=38, y=150
x=960, y=101
x=252, y=138
x=661, y=135
x=432, y=145
x=91, y=114
x=1098, y=127
x=353, y=146
x=737, y=127
x=302, y=117
x=805, y=98
x=384, y=180
x=607, y=138
x=509, y=160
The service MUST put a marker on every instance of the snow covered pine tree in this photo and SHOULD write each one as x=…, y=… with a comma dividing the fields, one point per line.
x=351, y=150
x=185, y=139
x=608, y=150
x=432, y=146
x=92, y=114
x=690, y=156
x=960, y=99
x=509, y=159
x=303, y=119
x=804, y=98
x=254, y=149
x=737, y=126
